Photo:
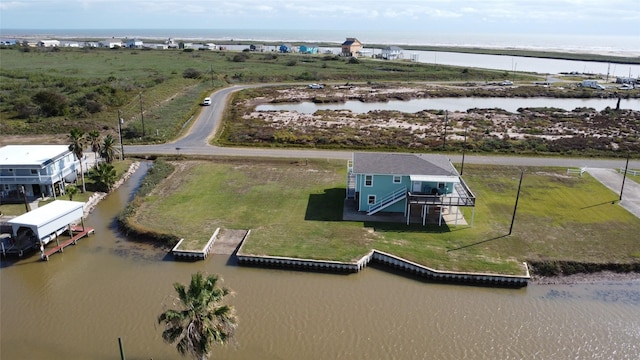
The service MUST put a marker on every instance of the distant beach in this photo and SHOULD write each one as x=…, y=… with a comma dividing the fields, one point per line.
x=605, y=45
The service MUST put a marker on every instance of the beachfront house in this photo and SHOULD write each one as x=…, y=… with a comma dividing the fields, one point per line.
x=48, y=43
x=392, y=53
x=134, y=44
x=351, y=47
x=111, y=43
x=286, y=48
x=305, y=49
x=41, y=170
x=408, y=184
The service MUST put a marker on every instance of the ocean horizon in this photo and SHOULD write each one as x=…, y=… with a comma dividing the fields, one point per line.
x=606, y=45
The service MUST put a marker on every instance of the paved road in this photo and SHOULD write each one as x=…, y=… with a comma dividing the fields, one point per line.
x=613, y=180
x=196, y=142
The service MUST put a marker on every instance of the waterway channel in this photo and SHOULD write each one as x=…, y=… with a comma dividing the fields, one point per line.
x=77, y=305
x=454, y=104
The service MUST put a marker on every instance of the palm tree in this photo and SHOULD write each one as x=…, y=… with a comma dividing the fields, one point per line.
x=109, y=148
x=94, y=141
x=78, y=141
x=71, y=190
x=104, y=176
x=202, y=320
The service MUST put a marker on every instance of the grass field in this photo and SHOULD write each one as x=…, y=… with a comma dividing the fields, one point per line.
x=296, y=210
x=150, y=85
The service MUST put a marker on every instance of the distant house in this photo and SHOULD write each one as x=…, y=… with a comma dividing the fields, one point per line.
x=39, y=169
x=392, y=53
x=48, y=43
x=351, y=47
x=111, y=43
x=185, y=45
x=304, y=49
x=73, y=44
x=134, y=43
x=8, y=42
x=285, y=48
x=405, y=183
x=258, y=48
x=627, y=80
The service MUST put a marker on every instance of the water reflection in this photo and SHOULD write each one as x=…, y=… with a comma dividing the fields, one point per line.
x=454, y=104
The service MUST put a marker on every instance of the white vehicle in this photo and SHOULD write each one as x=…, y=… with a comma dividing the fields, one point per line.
x=316, y=86
x=626, y=87
x=506, y=83
x=207, y=101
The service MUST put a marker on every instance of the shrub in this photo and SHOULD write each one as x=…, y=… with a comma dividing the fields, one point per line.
x=191, y=73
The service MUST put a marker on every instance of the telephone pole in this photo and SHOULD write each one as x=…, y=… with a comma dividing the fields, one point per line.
x=515, y=207
x=120, y=121
x=141, y=115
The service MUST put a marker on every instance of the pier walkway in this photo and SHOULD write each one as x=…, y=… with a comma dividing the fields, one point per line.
x=77, y=232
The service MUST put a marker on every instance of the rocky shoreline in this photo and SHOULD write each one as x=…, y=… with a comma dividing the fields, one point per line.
x=98, y=196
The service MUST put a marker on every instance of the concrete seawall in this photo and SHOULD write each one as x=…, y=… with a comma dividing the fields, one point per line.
x=388, y=260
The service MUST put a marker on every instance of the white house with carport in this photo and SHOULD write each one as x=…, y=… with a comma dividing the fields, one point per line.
x=38, y=227
x=41, y=169
x=392, y=53
x=111, y=43
x=425, y=184
x=134, y=43
x=48, y=43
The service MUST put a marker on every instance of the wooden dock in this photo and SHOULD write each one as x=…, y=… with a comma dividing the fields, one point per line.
x=78, y=233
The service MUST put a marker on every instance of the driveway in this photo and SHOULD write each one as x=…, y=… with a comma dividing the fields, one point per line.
x=613, y=180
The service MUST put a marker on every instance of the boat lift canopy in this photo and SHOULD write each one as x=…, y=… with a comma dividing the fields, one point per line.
x=49, y=218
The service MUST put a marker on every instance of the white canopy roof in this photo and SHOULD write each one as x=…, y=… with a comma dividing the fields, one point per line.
x=435, y=178
x=49, y=218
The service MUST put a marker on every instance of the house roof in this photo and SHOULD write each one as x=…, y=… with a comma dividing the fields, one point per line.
x=47, y=213
x=31, y=155
x=403, y=164
x=350, y=41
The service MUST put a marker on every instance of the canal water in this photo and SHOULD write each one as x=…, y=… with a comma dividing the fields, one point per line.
x=510, y=64
x=78, y=304
x=454, y=104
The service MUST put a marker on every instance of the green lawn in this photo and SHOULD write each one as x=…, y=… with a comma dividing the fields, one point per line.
x=295, y=210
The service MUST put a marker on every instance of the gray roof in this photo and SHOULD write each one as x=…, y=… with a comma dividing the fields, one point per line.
x=402, y=164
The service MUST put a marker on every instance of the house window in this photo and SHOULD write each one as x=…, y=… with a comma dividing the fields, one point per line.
x=371, y=199
x=34, y=172
x=368, y=180
x=397, y=179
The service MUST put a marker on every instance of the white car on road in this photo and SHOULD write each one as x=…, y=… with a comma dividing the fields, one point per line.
x=207, y=101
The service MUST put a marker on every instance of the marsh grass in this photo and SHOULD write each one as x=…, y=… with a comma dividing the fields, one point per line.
x=295, y=210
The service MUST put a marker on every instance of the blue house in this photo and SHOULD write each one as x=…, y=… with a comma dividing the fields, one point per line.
x=304, y=49
x=406, y=183
x=285, y=48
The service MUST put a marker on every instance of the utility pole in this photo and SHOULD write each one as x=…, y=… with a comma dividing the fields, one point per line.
x=464, y=146
x=120, y=122
x=624, y=177
x=141, y=115
x=212, y=75
x=515, y=207
x=446, y=122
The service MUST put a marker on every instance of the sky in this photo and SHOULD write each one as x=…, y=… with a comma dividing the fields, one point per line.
x=567, y=17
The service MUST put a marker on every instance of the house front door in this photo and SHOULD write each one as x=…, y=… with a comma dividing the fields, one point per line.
x=417, y=186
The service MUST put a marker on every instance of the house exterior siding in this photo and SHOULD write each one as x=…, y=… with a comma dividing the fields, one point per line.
x=40, y=175
x=383, y=185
